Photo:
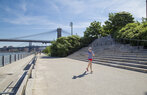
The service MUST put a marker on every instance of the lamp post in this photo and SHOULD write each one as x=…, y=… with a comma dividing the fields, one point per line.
x=71, y=25
x=146, y=9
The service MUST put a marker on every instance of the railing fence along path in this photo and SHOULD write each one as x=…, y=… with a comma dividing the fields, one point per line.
x=19, y=87
x=8, y=59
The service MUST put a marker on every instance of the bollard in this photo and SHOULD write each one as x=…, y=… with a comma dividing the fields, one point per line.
x=15, y=57
x=18, y=56
x=21, y=56
x=3, y=61
x=10, y=59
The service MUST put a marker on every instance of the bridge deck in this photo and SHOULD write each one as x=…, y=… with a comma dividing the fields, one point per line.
x=64, y=76
x=20, y=40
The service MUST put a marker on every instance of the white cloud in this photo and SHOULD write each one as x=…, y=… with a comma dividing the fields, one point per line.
x=29, y=20
x=73, y=6
x=89, y=10
x=82, y=25
x=92, y=7
x=55, y=7
x=23, y=6
x=136, y=7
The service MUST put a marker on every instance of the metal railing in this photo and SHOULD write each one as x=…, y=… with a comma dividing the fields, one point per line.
x=20, y=85
x=140, y=44
x=133, y=42
x=9, y=58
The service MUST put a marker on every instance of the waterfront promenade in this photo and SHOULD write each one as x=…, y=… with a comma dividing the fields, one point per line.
x=64, y=76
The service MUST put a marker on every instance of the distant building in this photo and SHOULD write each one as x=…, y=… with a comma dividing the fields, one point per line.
x=26, y=49
x=4, y=49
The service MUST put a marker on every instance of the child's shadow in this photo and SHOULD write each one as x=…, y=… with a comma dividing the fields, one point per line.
x=80, y=76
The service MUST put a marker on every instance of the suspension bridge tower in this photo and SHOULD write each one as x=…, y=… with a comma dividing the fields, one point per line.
x=59, y=32
x=30, y=46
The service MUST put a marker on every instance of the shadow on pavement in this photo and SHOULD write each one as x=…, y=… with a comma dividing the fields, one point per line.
x=48, y=57
x=145, y=93
x=80, y=76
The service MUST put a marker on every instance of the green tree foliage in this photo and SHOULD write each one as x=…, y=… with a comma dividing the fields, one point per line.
x=144, y=20
x=94, y=30
x=143, y=31
x=60, y=47
x=75, y=43
x=129, y=31
x=47, y=50
x=107, y=27
x=133, y=31
x=65, y=45
x=85, y=41
x=116, y=21
x=137, y=31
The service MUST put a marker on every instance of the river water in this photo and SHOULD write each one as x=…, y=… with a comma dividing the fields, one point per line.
x=14, y=57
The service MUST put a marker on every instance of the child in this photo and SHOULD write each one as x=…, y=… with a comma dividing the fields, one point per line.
x=90, y=57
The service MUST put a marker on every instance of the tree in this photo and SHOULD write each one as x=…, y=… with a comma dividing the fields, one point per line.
x=93, y=30
x=64, y=46
x=130, y=31
x=116, y=21
x=143, y=31
x=47, y=50
x=60, y=47
x=75, y=43
x=144, y=20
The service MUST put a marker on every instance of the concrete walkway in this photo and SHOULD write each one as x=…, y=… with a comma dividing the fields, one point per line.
x=64, y=76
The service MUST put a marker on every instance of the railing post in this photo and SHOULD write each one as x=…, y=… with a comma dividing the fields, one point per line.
x=3, y=60
x=10, y=59
x=18, y=56
x=15, y=57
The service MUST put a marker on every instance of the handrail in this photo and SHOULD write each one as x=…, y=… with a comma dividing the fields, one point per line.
x=22, y=88
x=22, y=82
x=133, y=39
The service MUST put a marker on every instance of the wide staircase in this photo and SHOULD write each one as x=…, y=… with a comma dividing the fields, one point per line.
x=111, y=53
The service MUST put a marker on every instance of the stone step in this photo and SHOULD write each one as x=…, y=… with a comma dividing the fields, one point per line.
x=123, y=63
x=143, y=70
x=112, y=55
x=123, y=67
x=111, y=51
x=118, y=55
x=140, y=64
x=123, y=52
x=131, y=58
x=123, y=58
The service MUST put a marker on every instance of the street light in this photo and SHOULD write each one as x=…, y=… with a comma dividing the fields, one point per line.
x=71, y=25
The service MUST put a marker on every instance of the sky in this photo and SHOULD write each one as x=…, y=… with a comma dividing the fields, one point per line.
x=26, y=17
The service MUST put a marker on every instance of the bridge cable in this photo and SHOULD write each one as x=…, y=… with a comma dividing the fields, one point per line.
x=34, y=34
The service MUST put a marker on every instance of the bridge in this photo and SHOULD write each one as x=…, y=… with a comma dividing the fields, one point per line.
x=15, y=40
x=21, y=39
x=30, y=38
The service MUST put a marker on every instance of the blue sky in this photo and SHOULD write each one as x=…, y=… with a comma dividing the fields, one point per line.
x=26, y=17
